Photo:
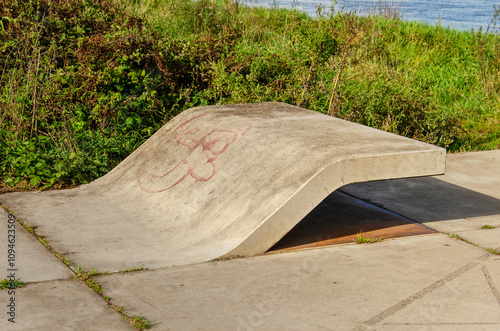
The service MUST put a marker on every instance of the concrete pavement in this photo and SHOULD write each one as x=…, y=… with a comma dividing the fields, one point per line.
x=403, y=284
x=217, y=182
x=52, y=299
x=31, y=250
x=423, y=282
x=427, y=281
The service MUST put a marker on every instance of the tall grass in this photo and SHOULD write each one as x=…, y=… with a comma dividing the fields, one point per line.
x=426, y=82
x=84, y=82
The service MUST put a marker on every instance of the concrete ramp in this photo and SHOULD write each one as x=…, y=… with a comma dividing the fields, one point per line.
x=217, y=182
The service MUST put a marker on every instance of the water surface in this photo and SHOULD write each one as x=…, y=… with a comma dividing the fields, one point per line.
x=457, y=14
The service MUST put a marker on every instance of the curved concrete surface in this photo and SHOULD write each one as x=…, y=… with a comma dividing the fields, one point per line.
x=217, y=182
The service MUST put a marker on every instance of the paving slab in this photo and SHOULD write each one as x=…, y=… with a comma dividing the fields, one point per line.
x=440, y=327
x=218, y=181
x=468, y=302
x=487, y=238
x=465, y=198
x=476, y=171
x=349, y=287
x=30, y=261
x=59, y=305
x=466, y=224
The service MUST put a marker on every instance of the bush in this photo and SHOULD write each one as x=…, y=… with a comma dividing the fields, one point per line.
x=85, y=82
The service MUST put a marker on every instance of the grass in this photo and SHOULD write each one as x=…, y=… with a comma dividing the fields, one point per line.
x=458, y=237
x=11, y=284
x=84, y=84
x=133, y=269
x=89, y=278
x=493, y=251
x=31, y=228
x=488, y=227
x=361, y=239
x=141, y=322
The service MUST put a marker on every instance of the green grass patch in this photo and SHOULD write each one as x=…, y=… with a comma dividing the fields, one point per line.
x=141, y=322
x=133, y=269
x=11, y=284
x=487, y=227
x=84, y=83
x=361, y=239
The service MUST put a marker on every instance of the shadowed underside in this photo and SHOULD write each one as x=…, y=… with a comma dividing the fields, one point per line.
x=217, y=182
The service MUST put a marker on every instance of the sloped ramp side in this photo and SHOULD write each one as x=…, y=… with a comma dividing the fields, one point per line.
x=218, y=182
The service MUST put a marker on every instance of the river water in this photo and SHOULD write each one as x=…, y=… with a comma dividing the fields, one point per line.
x=456, y=14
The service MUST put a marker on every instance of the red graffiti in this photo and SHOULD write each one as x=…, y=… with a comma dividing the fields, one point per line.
x=203, y=142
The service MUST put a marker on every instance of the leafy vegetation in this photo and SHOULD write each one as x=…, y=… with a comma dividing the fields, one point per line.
x=84, y=82
x=79, y=89
x=7, y=283
x=141, y=322
x=361, y=239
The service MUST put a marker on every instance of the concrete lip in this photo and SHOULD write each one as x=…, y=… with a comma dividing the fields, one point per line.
x=464, y=199
x=217, y=182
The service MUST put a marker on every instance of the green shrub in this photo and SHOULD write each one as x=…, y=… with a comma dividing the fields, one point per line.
x=85, y=82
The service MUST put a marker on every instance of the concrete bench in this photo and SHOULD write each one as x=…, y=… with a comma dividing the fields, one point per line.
x=217, y=182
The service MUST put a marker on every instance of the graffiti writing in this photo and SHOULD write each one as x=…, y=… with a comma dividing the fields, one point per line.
x=201, y=141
